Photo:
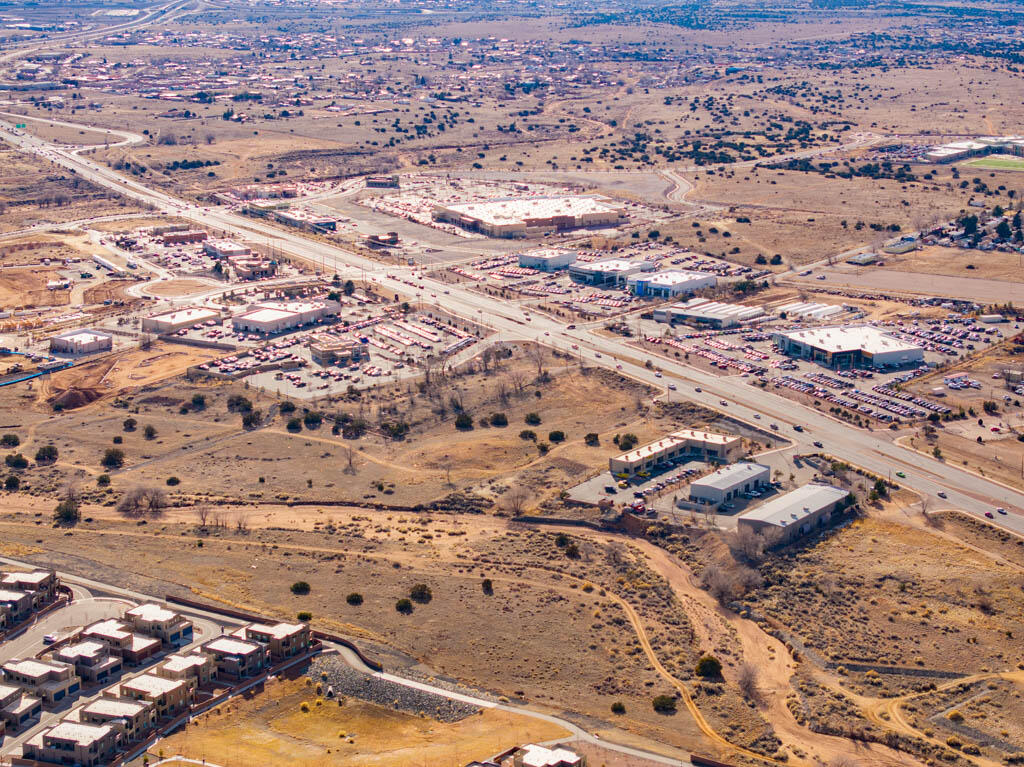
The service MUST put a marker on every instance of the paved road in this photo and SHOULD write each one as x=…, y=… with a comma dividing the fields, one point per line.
x=62, y=622
x=872, y=450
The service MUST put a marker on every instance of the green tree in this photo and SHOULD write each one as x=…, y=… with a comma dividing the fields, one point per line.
x=46, y=454
x=708, y=667
x=300, y=588
x=404, y=606
x=463, y=422
x=664, y=704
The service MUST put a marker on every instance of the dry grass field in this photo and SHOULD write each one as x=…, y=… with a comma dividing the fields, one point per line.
x=26, y=287
x=270, y=728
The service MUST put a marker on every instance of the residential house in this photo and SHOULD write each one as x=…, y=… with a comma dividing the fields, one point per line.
x=50, y=681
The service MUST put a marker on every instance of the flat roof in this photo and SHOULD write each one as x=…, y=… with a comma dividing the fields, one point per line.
x=31, y=667
x=152, y=612
x=675, y=277
x=152, y=684
x=83, y=734
x=846, y=339
x=266, y=315
x=83, y=336
x=184, y=662
x=703, y=307
x=36, y=576
x=112, y=627
x=232, y=646
x=518, y=210
x=795, y=505
x=191, y=314
x=729, y=476
x=676, y=438
x=610, y=265
x=278, y=630
x=115, y=707
x=547, y=254
x=8, y=595
x=80, y=649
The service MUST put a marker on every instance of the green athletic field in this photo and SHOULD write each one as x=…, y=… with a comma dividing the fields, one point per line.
x=997, y=162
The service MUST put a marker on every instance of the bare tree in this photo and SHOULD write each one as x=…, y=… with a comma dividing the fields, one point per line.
x=202, y=514
x=242, y=521
x=518, y=380
x=350, y=462
x=746, y=680
x=446, y=464
x=515, y=501
x=537, y=354
x=142, y=501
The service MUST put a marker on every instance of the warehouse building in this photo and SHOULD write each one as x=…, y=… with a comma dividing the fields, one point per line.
x=729, y=482
x=612, y=272
x=796, y=513
x=547, y=259
x=685, y=443
x=806, y=310
x=278, y=316
x=225, y=248
x=517, y=217
x=841, y=348
x=81, y=342
x=179, y=319
x=702, y=313
x=670, y=284
x=182, y=238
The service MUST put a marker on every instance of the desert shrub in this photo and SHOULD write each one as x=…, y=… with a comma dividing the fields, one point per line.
x=528, y=434
x=129, y=424
x=172, y=481
x=46, y=454
x=142, y=501
x=556, y=436
x=404, y=606
x=487, y=586
x=592, y=439
x=287, y=407
x=12, y=483
x=664, y=704
x=113, y=458
x=499, y=419
x=149, y=432
x=532, y=419
x=16, y=461
x=354, y=599
x=10, y=440
x=463, y=421
x=294, y=424
x=708, y=667
x=305, y=616
x=300, y=588
x=312, y=419
x=421, y=593
x=619, y=707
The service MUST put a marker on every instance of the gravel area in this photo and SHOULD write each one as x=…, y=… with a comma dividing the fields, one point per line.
x=333, y=671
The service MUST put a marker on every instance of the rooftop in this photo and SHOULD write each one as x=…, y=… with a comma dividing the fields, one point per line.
x=83, y=734
x=847, y=339
x=36, y=576
x=675, y=439
x=610, y=265
x=278, y=630
x=232, y=646
x=115, y=707
x=727, y=476
x=84, y=649
x=35, y=668
x=112, y=627
x=152, y=612
x=675, y=277
x=796, y=504
x=184, y=662
x=514, y=211
x=150, y=684
x=266, y=315
x=191, y=314
x=83, y=337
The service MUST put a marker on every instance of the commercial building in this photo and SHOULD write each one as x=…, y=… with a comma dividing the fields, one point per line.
x=670, y=284
x=252, y=267
x=92, y=660
x=518, y=217
x=49, y=681
x=796, y=513
x=81, y=342
x=169, y=696
x=685, y=443
x=85, y=745
x=225, y=248
x=306, y=220
x=382, y=182
x=729, y=482
x=547, y=259
x=863, y=259
x=237, y=658
x=613, y=271
x=131, y=718
x=179, y=319
x=278, y=316
x=328, y=350
x=807, y=310
x=961, y=150
x=283, y=640
x=843, y=347
x=171, y=628
x=701, y=312
x=183, y=237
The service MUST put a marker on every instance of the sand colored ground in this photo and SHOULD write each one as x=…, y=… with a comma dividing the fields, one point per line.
x=176, y=288
x=270, y=728
x=991, y=265
x=27, y=287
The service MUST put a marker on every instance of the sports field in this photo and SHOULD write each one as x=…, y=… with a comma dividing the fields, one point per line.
x=998, y=162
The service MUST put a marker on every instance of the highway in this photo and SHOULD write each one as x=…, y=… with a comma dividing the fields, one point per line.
x=871, y=450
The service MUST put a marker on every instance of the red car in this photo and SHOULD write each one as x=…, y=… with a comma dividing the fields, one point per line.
x=989, y=515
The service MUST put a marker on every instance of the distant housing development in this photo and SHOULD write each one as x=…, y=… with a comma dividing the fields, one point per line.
x=843, y=347
x=519, y=217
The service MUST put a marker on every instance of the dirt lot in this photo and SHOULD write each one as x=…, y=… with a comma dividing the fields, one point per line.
x=33, y=248
x=992, y=265
x=115, y=373
x=176, y=288
x=270, y=728
x=26, y=287
x=112, y=290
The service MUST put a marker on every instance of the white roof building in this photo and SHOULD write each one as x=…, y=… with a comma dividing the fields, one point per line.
x=729, y=482
x=171, y=322
x=81, y=342
x=797, y=512
x=670, y=284
x=703, y=312
x=849, y=346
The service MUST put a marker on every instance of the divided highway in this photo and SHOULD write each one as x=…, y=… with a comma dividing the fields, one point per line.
x=872, y=450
